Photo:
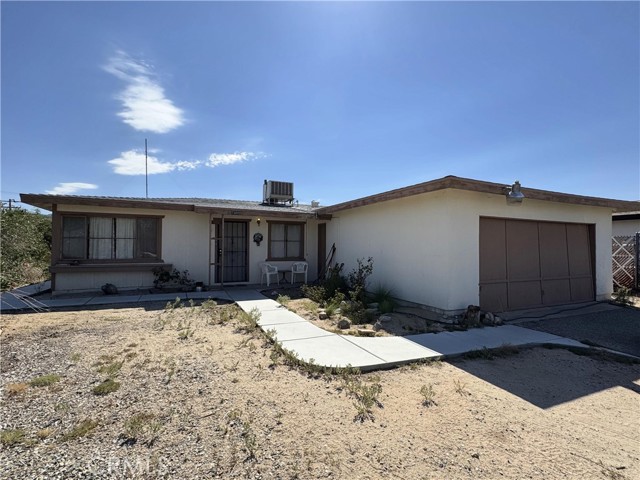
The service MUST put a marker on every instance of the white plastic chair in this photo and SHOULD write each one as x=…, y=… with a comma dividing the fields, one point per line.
x=269, y=271
x=299, y=268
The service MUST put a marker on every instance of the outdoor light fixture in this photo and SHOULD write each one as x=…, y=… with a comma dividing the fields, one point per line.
x=513, y=194
x=258, y=221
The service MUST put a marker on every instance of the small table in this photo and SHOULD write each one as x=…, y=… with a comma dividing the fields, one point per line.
x=284, y=274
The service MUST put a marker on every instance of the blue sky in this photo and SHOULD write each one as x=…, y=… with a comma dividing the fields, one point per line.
x=343, y=99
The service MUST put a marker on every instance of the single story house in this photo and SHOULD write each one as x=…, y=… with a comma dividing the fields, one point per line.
x=443, y=244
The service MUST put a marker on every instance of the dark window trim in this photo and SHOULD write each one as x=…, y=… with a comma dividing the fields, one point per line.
x=302, y=245
x=108, y=267
x=57, y=259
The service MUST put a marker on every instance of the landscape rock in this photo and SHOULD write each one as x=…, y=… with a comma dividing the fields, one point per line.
x=365, y=332
x=385, y=318
x=109, y=289
x=344, y=324
x=471, y=317
x=488, y=319
x=377, y=326
x=322, y=315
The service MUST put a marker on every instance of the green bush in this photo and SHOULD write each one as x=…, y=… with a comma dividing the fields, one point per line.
x=357, y=279
x=317, y=293
x=384, y=297
x=44, y=381
x=106, y=387
x=25, y=247
x=335, y=282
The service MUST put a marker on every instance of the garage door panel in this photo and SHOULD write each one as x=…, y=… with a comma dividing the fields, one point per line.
x=554, y=260
x=555, y=292
x=523, y=261
x=524, y=294
x=493, y=262
x=493, y=297
x=582, y=289
x=579, y=250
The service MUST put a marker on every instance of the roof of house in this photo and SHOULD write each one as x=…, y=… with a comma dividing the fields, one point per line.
x=626, y=216
x=483, y=187
x=200, y=205
x=240, y=207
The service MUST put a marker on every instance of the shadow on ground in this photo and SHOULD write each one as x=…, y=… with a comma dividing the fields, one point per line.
x=558, y=377
x=617, y=329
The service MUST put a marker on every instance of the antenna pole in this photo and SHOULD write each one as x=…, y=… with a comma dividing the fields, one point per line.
x=146, y=171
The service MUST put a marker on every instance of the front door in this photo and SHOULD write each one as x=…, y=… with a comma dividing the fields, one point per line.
x=322, y=249
x=235, y=262
x=229, y=248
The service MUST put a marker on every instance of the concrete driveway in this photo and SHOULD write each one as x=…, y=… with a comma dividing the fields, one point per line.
x=613, y=327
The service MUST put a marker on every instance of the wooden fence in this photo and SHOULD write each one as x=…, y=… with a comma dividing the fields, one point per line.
x=626, y=261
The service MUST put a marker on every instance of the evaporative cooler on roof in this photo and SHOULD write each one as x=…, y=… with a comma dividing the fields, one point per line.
x=274, y=193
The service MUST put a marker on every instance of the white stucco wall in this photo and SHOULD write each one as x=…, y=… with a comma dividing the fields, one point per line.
x=426, y=247
x=625, y=227
x=185, y=245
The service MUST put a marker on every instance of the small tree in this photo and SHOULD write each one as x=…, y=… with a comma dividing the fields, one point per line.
x=25, y=247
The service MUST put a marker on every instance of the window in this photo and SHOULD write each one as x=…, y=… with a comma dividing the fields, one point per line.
x=110, y=238
x=286, y=241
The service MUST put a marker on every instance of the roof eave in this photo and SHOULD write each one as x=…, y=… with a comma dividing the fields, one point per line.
x=481, y=187
x=47, y=202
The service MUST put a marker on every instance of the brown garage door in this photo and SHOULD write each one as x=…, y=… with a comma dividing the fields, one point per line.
x=527, y=264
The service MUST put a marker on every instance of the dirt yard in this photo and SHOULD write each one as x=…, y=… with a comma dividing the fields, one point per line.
x=197, y=392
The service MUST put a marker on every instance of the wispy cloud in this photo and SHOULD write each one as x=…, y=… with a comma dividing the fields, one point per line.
x=217, y=159
x=145, y=106
x=132, y=162
x=68, y=188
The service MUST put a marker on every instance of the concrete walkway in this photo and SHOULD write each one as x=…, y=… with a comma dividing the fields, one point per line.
x=311, y=343
x=314, y=344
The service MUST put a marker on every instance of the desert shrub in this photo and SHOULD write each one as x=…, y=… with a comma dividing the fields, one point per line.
x=44, y=381
x=317, y=293
x=175, y=277
x=283, y=300
x=25, y=247
x=357, y=279
x=16, y=389
x=428, y=395
x=622, y=296
x=12, y=437
x=106, y=387
x=384, y=297
x=335, y=281
x=346, y=293
x=82, y=429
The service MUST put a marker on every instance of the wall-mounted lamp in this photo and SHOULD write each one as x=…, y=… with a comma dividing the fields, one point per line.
x=258, y=221
x=513, y=194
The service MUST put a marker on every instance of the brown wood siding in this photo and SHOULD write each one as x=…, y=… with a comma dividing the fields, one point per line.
x=527, y=264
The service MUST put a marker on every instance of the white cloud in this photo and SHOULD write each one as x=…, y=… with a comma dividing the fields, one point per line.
x=132, y=162
x=71, y=187
x=145, y=106
x=217, y=159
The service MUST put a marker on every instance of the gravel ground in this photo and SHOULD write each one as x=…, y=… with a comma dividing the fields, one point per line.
x=617, y=329
x=203, y=395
